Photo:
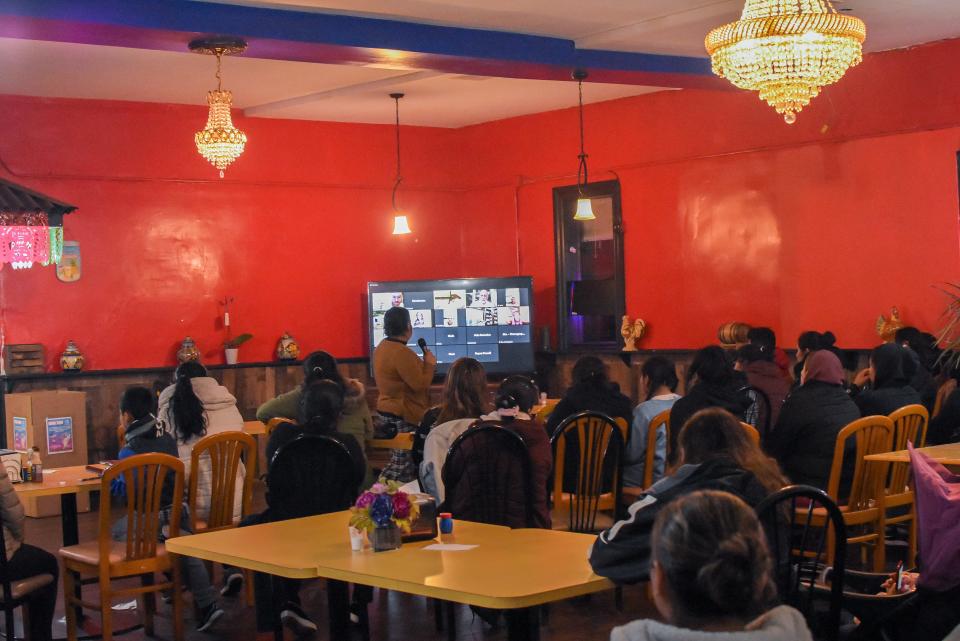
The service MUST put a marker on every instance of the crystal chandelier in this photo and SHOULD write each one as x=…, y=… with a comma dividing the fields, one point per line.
x=787, y=50
x=584, y=205
x=219, y=142
x=400, y=224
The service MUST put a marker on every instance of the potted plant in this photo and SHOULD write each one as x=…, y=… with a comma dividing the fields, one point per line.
x=383, y=511
x=231, y=347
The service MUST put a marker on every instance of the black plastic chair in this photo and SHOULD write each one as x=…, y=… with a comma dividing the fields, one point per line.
x=763, y=410
x=16, y=593
x=799, y=550
x=592, y=442
x=312, y=474
x=484, y=467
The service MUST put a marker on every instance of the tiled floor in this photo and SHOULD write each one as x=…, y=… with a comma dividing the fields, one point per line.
x=393, y=616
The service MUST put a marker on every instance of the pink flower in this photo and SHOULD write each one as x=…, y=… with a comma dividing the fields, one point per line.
x=401, y=505
x=378, y=488
x=365, y=499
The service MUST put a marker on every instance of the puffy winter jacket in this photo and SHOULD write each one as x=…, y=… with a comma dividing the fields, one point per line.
x=622, y=552
x=767, y=377
x=885, y=400
x=11, y=514
x=782, y=623
x=806, y=434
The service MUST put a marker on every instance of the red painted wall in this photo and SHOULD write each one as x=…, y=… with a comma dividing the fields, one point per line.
x=729, y=214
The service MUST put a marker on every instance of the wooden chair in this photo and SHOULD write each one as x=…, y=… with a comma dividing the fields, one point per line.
x=752, y=433
x=599, y=442
x=274, y=422
x=224, y=452
x=864, y=508
x=16, y=593
x=909, y=425
x=942, y=393
x=662, y=419
x=624, y=429
x=139, y=555
x=546, y=410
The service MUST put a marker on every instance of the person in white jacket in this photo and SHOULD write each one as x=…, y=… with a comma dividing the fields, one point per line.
x=196, y=406
x=711, y=577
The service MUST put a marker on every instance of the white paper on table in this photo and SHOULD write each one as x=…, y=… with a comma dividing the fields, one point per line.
x=129, y=605
x=413, y=487
x=449, y=547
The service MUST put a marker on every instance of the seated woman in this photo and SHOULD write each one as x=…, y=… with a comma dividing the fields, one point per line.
x=804, y=438
x=355, y=418
x=463, y=403
x=889, y=385
x=715, y=454
x=712, y=578
x=766, y=376
x=320, y=406
x=714, y=384
x=807, y=343
x=591, y=390
x=25, y=561
x=945, y=426
x=195, y=406
x=515, y=398
x=658, y=379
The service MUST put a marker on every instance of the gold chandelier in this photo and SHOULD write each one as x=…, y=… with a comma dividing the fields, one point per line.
x=787, y=50
x=219, y=142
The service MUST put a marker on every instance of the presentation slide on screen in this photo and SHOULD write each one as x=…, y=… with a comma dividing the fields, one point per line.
x=488, y=319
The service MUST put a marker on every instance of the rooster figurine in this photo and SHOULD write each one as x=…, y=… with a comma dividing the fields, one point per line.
x=632, y=331
x=887, y=327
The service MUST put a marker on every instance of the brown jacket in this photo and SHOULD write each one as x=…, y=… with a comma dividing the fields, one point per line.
x=11, y=514
x=403, y=380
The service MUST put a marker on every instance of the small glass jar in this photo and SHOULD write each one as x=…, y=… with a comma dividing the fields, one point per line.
x=446, y=523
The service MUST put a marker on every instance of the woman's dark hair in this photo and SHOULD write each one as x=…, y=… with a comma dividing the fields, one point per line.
x=659, y=372
x=517, y=391
x=750, y=353
x=710, y=365
x=464, y=391
x=138, y=402
x=320, y=405
x=712, y=551
x=320, y=366
x=590, y=371
x=828, y=340
x=189, y=419
x=765, y=339
x=809, y=341
x=716, y=433
x=396, y=320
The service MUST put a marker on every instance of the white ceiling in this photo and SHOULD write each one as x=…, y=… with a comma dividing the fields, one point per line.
x=652, y=26
x=358, y=93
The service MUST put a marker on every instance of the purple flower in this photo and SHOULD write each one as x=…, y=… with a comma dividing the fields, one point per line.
x=381, y=510
x=365, y=499
x=401, y=505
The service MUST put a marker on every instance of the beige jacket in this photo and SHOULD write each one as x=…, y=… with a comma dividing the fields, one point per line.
x=403, y=380
x=11, y=514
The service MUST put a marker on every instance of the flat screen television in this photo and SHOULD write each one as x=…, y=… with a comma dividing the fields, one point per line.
x=489, y=319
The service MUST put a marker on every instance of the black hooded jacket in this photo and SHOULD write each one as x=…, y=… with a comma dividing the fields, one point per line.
x=704, y=395
x=891, y=389
x=622, y=552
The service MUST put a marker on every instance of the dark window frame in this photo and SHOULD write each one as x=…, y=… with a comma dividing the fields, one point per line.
x=564, y=207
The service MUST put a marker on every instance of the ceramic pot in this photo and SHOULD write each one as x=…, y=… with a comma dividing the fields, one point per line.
x=72, y=359
x=385, y=538
x=287, y=348
x=231, y=354
x=188, y=351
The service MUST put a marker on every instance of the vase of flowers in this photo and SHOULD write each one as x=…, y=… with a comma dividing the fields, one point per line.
x=384, y=512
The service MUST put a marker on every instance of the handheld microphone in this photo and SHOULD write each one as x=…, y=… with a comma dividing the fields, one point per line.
x=423, y=345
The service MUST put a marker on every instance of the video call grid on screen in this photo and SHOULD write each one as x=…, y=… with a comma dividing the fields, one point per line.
x=485, y=318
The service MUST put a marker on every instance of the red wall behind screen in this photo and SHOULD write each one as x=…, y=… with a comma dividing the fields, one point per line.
x=729, y=214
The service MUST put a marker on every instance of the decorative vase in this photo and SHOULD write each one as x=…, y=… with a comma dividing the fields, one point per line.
x=188, y=351
x=385, y=538
x=287, y=348
x=72, y=359
x=231, y=354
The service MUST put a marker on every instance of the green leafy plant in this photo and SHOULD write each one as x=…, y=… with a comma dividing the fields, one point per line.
x=236, y=341
x=949, y=336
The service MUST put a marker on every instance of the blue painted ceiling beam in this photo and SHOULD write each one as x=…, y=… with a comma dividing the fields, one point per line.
x=341, y=39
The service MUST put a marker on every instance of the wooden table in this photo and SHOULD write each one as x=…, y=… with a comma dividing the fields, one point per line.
x=402, y=441
x=510, y=569
x=948, y=455
x=65, y=482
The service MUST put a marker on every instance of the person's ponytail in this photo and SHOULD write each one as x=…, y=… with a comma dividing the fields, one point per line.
x=186, y=408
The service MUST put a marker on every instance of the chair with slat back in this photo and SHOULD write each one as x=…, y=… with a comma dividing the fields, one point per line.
x=484, y=468
x=863, y=509
x=274, y=422
x=312, y=474
x=220, y=457
x=140, y=554
x=793, y=519
x=909, y=426
x=624, y=429
x=752, y=432
x=942, y=393
x=599, y=447
x=16, y=593
x=763, y=409
x=660, y=420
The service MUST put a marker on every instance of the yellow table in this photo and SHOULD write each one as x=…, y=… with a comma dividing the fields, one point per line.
x=402, y=441
x=509, y=569
x=65, y=482
x=948, y=455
